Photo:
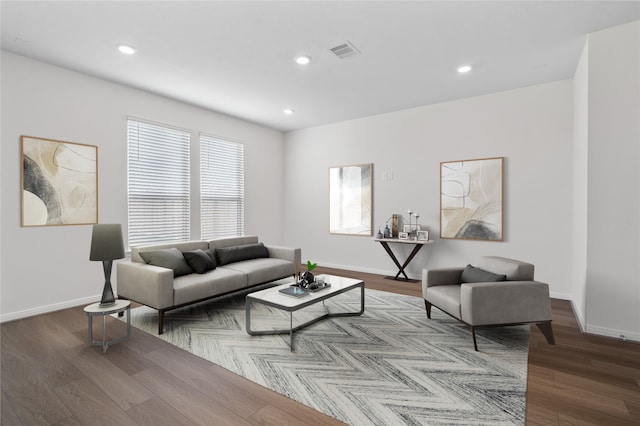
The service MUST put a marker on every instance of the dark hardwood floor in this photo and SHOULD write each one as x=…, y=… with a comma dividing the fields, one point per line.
x=51, y=376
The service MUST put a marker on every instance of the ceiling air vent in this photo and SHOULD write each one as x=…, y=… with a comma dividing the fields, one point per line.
x=345, y=50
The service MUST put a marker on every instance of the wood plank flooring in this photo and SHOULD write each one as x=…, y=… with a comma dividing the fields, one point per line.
x=50, y=375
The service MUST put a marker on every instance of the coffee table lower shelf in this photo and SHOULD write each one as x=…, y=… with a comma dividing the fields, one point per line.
x=271, y=297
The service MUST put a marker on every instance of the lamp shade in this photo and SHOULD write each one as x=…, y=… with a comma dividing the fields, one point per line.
x=106, y=242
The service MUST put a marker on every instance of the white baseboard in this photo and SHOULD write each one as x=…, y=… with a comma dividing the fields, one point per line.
x=48, y=308
x=360, y=269
x=561, y=296
x=579, y=316
x=617, y=334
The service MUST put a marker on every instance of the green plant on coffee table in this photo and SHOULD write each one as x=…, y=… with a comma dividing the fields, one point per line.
x=307, y=277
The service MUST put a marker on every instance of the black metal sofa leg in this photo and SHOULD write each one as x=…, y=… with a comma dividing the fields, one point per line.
x=427, y=306
x=160, y=322
x=473, y=334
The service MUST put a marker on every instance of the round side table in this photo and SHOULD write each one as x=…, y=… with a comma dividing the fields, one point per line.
x=96, y=310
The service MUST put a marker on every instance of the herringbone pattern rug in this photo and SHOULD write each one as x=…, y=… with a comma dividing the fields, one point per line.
x=390, y=366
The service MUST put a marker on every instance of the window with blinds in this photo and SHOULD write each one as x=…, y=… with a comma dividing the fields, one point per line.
x=221, y=188
x=158, y=183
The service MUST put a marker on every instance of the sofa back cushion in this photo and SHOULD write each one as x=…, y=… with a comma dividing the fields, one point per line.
x=226, y=255
x=232, y=241
x=186, y=246
x=200, y=261
x=515, y=270
x=170, y=258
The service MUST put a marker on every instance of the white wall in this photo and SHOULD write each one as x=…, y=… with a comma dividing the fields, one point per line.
x=580, y=180
x=48, y=268
x=613, y=254
x=530, y=127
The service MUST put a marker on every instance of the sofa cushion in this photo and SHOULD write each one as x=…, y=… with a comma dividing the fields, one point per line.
x=170, y=258
x=472, y=274
x=263, y=270
x=190, y=288
x=199, y=261
x=239, y=253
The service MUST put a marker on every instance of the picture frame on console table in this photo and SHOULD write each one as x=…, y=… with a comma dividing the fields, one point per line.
x=422, y=235
x=59, y=182
x=403, y=235
x=471, y=199
x=410, y=228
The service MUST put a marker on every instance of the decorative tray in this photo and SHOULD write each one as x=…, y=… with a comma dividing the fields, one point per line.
x=308, y=289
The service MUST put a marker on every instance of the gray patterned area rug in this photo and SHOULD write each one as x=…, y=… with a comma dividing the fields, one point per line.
x=390, y=366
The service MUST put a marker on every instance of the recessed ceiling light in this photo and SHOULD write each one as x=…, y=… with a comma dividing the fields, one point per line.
x=464, y=68
x=127, y=50
x=288, y=111
x=303, y=60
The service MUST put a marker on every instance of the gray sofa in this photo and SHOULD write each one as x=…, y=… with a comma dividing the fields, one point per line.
x=241, y=263
x=498, y=291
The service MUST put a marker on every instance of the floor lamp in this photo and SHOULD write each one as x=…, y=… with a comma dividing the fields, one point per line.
x=106, y=245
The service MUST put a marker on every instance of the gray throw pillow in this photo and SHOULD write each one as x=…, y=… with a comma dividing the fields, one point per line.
x=199, y=261
x=471, y=274
x=168, y=258
x=233, y=254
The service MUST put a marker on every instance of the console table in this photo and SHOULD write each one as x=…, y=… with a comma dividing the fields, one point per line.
x=417, y=245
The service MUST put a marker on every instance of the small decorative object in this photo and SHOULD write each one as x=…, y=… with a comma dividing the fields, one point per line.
x=106, y=245
x=423, y=235
x=411, y=229
x=379, y=234
x=293, y=291
x=403, y=235
x=394, y=225
x=307, y=278
x=387, y=232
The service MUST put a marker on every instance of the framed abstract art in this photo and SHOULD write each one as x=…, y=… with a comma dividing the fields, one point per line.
x=471, y=199
x=59, y=182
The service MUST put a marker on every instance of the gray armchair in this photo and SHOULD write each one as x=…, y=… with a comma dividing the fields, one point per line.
x=497, y=292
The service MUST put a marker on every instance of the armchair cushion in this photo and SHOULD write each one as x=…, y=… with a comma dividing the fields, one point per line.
x=472, y=274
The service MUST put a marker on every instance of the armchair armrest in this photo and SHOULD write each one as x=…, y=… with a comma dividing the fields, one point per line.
x=440, y=276
x=286, y=253
x=147, y=284
x=505, y=302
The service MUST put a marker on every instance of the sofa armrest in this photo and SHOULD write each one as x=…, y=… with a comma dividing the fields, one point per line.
x=286, y=253
x=505, y=302
x=147, y=284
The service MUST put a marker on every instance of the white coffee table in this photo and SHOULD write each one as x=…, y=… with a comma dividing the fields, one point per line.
x=272, y=297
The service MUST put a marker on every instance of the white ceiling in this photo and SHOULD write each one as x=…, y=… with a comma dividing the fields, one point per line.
x=238, y=57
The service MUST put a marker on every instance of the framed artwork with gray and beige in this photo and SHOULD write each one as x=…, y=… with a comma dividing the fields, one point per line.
x=59, y=182
x=471, y=199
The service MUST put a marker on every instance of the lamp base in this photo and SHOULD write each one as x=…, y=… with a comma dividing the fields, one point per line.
x=107, y=293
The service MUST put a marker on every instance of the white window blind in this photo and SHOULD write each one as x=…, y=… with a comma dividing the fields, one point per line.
x=158, y=183
x=221, y=188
